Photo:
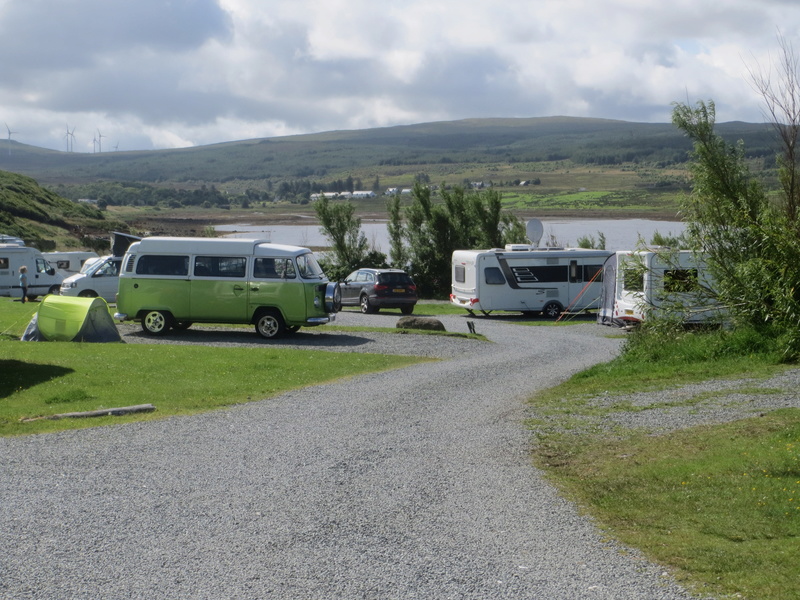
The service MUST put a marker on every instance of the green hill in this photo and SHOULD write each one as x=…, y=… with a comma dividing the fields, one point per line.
x=440, y=148
x=46, y=220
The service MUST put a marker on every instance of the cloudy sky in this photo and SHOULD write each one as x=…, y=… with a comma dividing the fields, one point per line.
x=148, y=74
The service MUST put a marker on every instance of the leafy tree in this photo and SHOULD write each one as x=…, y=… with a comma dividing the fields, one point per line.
x=348, y=243
x=432, y=231
x=752, y=245
x=589, y=241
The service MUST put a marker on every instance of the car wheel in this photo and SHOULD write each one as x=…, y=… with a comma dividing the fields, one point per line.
x=87, y=294
x=54, y=289
x=366, y=305
x=156, y=322
x=270, y=325
x=407, y=310
x=551, y=310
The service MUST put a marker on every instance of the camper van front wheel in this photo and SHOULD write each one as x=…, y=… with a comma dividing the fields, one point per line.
x=156, y=322
x=270, y=325
x=551, y=310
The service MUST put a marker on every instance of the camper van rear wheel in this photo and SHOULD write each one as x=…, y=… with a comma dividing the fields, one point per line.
x=270, y=325
x=551, y=310
x=87, y=294
x=54, y=289
x=156, y=322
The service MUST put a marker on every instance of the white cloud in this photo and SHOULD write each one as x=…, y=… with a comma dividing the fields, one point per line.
x=187, y=72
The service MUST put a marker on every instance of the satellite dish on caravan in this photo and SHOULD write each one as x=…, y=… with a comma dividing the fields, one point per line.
x=534, y=229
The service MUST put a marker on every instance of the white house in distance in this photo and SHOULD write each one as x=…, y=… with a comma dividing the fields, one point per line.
x=343, y=195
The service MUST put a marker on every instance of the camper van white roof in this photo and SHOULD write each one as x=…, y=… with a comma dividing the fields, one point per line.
x=166, y=245
x=7, y=240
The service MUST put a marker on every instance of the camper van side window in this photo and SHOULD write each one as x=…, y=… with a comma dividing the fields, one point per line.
x=274, y=268
x=460, y=274
x=220, y=266
x=494, y=276
x=41, y=265
x=154, y=264
x=593, y=273
x=3, y=262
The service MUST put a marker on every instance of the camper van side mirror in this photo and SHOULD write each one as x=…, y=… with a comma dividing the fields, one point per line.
x=51, y=271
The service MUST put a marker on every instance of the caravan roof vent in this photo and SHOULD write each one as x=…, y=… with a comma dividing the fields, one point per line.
x=517, y=247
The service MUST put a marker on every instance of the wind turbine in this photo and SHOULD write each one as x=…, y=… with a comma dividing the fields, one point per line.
x=9, y=137
x=100, y=137
x=72, y=140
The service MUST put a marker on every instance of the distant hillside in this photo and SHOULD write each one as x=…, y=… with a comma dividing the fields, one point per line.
x=46, y=220
x=383, y=151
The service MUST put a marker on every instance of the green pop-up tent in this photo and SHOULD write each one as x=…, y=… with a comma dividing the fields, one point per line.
x=68, y=319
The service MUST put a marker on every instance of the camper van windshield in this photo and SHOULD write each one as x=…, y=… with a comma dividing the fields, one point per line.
x=308, y=267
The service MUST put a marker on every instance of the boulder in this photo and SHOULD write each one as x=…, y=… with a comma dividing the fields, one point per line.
x=413, y=322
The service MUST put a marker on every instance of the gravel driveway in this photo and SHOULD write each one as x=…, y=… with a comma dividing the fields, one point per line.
x=415, y=483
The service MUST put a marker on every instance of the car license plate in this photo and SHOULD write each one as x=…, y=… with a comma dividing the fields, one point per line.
x=399, y=291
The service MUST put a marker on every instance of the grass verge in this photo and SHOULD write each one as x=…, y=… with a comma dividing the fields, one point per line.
x=720, y=504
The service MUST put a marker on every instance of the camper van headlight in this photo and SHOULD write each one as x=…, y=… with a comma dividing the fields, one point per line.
x=68, y=284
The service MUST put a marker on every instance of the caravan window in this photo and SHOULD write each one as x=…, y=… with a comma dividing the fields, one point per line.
x=155, y=264
x=680, y=280
x=460, y=274
x=633, y=280
x=220, y=266
x=3, y=262
x=540, y=274
x=494, y=276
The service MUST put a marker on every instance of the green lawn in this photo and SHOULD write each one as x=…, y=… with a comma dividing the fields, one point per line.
x=52, y=378
x=719, y=504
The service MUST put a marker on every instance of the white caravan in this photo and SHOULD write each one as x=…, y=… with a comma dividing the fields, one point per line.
x=68, y=263
x=672, y=283
x=527, y=279
x=42, y=277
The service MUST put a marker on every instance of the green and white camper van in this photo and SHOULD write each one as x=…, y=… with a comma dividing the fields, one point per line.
x=169, y=282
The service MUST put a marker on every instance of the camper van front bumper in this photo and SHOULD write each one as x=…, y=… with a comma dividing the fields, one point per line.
x=321, y=320
x=121, y=317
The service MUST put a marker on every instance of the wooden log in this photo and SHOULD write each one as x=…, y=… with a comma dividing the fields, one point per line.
x=103, y=412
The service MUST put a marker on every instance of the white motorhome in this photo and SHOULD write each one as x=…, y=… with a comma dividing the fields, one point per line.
x=68, y=263
x=674, y=283
x=99, y=277
x=42, y=277
x=525, y=278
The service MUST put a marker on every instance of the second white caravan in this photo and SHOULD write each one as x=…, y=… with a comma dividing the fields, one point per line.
x=527, y=279
x=662, y=282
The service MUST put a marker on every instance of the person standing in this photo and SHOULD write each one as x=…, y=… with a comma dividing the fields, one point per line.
x=23, y=282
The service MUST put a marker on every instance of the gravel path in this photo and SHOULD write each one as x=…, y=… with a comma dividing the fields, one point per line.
x=411, y=484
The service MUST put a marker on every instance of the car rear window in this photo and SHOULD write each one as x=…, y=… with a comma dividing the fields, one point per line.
x=394, y=278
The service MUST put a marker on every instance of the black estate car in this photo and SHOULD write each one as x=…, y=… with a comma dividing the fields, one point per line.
x=373, y=289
